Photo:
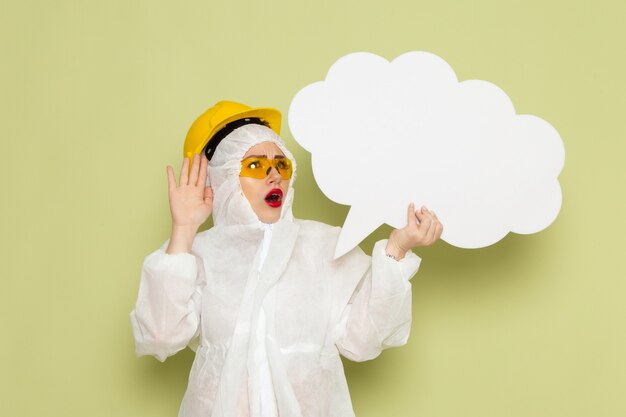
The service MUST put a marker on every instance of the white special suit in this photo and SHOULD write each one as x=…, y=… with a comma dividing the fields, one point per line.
x=266, y=307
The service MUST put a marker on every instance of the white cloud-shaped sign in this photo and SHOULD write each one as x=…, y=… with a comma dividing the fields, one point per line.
x=383, y=134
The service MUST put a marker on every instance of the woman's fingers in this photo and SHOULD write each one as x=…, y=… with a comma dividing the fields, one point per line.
x=184, y=172
x=203, y=171
x=435, y=229
x=432, y=231
x=439, y=226
x=195, y=167
x=196, y=176
x=430, y=228
x=425, y=219
x=171, y=180
x=439, y=230
x=419, y=215
x=411, y=215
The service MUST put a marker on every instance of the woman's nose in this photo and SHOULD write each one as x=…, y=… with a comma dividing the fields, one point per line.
x=273, y=176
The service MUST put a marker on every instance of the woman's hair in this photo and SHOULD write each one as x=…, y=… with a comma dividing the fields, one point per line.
x=210, y=148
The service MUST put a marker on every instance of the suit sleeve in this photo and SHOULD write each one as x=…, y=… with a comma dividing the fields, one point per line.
x=166, y=317
x=374, y=309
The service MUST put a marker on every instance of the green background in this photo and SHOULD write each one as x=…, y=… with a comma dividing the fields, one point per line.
x=96, y=98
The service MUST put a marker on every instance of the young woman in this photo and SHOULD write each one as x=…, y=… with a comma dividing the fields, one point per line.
x=259, y=296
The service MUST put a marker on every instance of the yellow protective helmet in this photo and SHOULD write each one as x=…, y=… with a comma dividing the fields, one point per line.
x=218, y=116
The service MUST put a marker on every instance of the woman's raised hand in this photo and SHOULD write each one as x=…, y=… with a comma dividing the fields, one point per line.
x=191, y=202
x=423, y=228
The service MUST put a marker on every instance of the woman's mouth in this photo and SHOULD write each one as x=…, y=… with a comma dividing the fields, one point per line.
x=274, y=198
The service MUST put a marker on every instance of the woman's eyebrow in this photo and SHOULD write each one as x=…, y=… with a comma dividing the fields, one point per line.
x=265, y=156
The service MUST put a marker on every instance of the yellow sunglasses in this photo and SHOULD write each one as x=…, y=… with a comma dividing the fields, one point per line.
x=260, y=167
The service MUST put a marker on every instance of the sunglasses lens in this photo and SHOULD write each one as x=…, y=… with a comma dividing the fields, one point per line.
x=254, y=168
x=283, y=165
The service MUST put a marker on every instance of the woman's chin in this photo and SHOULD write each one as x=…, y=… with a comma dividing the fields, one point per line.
x=269, y=215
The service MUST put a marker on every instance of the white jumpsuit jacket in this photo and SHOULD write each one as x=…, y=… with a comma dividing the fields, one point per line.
x=267, y=309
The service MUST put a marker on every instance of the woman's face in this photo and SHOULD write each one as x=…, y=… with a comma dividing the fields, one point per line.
x=265, y=195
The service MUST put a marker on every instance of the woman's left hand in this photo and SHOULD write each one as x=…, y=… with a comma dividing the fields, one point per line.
x=423, y=228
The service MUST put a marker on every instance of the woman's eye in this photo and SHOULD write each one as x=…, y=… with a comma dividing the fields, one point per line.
x=254, y=165
x=281, y=164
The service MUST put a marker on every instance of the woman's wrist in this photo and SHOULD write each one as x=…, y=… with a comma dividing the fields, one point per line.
x=181, y=239
x=393, y=250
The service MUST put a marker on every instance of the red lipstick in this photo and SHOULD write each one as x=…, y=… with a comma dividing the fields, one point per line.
x=274, y=198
